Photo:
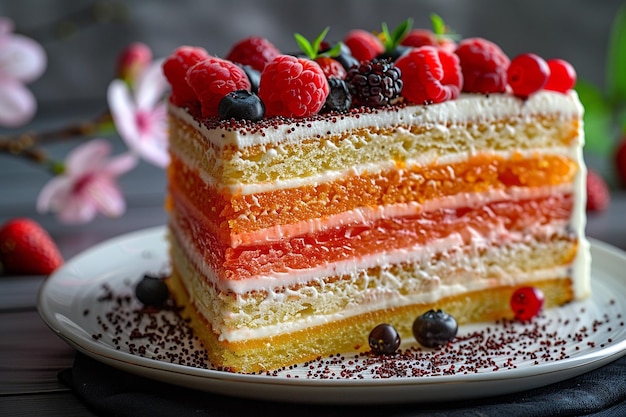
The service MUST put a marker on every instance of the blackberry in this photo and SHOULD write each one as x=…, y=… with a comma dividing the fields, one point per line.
x=374, y=83
x=339, y=98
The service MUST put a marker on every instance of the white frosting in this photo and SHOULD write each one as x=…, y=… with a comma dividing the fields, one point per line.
x=474, y=107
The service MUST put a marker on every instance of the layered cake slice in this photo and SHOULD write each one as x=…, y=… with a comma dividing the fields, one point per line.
x=303, y=216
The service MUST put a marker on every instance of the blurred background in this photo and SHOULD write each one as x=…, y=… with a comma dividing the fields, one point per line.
x=83, y=39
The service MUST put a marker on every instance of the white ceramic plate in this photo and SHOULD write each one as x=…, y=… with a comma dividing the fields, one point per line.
x=583, y=336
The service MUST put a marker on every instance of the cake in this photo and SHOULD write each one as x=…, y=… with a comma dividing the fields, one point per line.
x=296, y=228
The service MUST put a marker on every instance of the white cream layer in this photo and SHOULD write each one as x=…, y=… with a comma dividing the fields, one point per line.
x=475, y=107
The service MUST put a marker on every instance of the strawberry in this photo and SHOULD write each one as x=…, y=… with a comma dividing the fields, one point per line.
x=26, y=248
x=598, y=196
x=364, y=45
x=620, y=161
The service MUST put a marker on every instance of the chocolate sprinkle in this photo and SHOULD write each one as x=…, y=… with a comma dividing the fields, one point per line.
x=163, y=335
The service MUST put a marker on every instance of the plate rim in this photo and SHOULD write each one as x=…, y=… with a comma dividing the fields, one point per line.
x=129, y=362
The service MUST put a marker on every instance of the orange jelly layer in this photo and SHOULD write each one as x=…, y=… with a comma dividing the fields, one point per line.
x=237, y=213
x=356, y=241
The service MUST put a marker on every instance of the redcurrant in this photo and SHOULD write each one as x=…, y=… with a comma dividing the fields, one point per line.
x=527, y=302
x=527, y=73
x=562, y=76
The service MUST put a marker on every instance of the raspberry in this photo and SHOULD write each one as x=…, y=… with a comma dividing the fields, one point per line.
x=562, y=76
x=363, y=45
x=430, y=75
x=212, y=79
x=175, y=70
x=484, y=66
x=374, y=83
x=527, y=74
x=253, y=51
x=598, y=196
x=293, y=87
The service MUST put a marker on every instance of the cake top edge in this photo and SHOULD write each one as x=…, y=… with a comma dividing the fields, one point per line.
x=362, y=73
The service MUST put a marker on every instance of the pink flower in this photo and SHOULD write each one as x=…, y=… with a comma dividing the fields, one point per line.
x=88, y=184
x=140, y=115
x=22, y=60
x=133, y=61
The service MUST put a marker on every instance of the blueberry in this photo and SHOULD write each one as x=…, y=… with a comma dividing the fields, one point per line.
x=151, y=291
x=339, y=97
x=384, y=339
x=254, y=77
x=434, y=328
x=395, y=53
x=241, y=105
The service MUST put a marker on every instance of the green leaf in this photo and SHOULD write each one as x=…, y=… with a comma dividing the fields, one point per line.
x=597, y=119
x=305, y=45
x=616, y=59
x=392, y=39
x=439, y=27
x=312, y=49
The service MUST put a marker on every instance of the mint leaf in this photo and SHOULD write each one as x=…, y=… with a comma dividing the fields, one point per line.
x=305, y=45
x=439, y=27
x=392, y=39
x=597, y=119
x=616, y=59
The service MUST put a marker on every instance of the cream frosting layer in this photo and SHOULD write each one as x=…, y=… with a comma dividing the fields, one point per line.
x=475, y=107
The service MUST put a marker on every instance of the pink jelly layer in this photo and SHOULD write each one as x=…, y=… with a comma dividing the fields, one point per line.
x=354, y=241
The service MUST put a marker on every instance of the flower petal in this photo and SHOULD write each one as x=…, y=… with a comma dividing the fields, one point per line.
x=87, y=157
x=151, y=86
x=76, y=211
x=120, y=164
x=17, y=104
x=106, y=197
x=123, y=111
x=21, y=58
x=54, y=192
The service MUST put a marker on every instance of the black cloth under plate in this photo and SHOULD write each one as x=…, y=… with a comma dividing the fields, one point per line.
x=108, y=391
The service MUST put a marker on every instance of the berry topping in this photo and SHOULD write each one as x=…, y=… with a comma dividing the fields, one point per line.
x=175, y=70
x=241, y=105
x=598, y=196
x=526, y=302
x=374, y=83
x=430, y=75
x=254, y=51
x=254, y=77
x=440, y=36
x=527, y=74
x=26, y=248
x=212, y=79
x=339, y=98
x=620, y=160
x=562, y=76
x=345, y=58
x=434, y=328
x=325, y=59
x=331, y=67
x=293, y=87
x=484, y=66
x=151, y=291
x=384, y=339
x=364, y=45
